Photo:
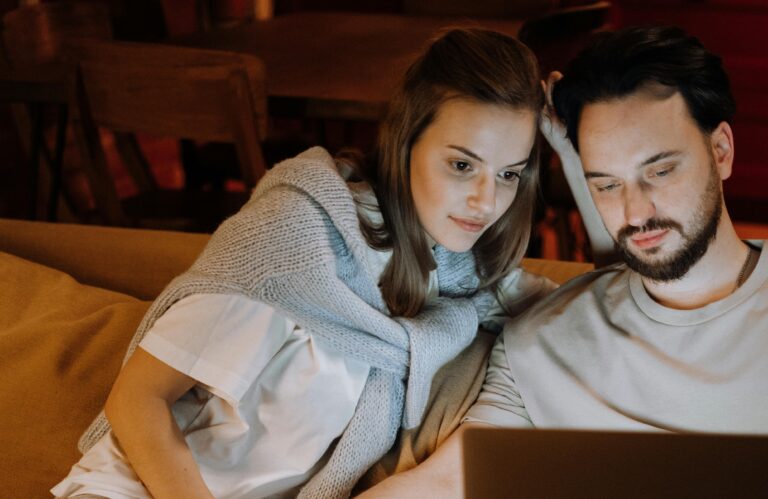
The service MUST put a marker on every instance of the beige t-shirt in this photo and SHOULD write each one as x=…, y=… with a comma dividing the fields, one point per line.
x=600, y=353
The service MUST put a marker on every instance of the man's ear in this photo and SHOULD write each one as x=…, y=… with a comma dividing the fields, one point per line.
x=721, y=142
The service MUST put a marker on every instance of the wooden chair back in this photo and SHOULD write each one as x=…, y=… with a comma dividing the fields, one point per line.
x=169, y=92
x=151, y=75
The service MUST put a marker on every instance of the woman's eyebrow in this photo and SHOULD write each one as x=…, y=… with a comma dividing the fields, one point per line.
x=467, y=152
x=478, y=158
x=521, y=162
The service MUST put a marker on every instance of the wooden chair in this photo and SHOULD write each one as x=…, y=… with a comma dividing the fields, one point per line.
x=167, y=91
x=33, y=77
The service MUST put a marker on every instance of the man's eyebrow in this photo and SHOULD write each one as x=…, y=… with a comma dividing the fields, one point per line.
x=659, y=157
x=653, y=159
x=478, y=158
x=596, y=174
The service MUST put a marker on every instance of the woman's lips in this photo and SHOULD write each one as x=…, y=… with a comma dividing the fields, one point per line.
x=650, y=239
x=468, y=224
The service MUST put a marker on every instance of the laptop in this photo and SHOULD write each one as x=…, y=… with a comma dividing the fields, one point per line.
x=533, y=463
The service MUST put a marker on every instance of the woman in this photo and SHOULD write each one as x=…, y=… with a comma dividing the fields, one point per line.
x=324, y=308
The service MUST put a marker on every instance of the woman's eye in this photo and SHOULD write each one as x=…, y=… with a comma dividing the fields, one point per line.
x=461, y=166
x=510, y=175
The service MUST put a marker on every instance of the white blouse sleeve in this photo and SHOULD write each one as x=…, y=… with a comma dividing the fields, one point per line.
x=518, y=291
x=222, y=341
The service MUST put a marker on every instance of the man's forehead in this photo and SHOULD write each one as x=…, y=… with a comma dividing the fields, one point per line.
x=634, y=127
x=647, y=101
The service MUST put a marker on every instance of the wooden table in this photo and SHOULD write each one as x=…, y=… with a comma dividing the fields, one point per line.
x=334, y=65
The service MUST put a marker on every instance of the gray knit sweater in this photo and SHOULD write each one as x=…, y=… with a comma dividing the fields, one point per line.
x=297, y=246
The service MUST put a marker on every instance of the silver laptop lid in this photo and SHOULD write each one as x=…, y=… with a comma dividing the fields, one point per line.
x=508, y=463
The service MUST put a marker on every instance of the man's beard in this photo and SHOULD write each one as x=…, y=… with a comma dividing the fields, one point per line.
x=695, y=243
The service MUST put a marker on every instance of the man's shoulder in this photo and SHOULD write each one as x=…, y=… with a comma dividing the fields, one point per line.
x=583, y=296
x=589, y=284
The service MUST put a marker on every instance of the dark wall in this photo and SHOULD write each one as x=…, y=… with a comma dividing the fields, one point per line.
x=737, y=30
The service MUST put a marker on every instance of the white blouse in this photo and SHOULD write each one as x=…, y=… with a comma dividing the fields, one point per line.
x=269, y=402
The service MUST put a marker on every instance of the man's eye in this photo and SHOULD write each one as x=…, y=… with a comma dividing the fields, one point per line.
x=662, y=170
x=606, y=187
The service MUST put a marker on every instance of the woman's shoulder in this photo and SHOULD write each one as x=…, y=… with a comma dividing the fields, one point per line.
x=302, y=214
x=313, y=169
x=315, y=154
x=293, y=185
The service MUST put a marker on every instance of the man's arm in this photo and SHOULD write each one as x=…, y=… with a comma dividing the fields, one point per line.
x=553, y=130
x=441, y=475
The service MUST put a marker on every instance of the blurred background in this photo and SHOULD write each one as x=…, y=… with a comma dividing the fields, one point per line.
x=44, y=166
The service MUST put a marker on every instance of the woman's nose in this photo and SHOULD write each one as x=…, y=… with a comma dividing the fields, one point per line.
x=482, y=197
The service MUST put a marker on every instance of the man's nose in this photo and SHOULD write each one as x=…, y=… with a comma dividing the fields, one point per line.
x=482, y=197
x=638, y=206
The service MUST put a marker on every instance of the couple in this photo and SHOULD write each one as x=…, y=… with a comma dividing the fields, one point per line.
x=308, y=333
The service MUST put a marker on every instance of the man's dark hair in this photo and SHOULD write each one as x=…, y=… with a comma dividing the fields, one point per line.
x=659, y=59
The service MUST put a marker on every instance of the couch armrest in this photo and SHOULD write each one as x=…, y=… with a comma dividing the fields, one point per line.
x=137, y=262
x=141, y=262
x=556, y=270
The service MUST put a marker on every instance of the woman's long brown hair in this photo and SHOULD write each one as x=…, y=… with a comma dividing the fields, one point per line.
x=478, y=64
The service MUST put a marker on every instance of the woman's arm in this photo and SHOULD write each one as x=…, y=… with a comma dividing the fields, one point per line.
x=139, y=410
x=553, y=130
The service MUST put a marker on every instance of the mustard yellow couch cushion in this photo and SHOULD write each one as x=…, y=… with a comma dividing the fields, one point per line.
x=61, y=346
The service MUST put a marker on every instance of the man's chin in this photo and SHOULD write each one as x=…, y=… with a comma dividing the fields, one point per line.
x=655, y=265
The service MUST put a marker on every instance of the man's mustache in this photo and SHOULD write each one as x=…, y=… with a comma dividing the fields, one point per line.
x=652, y=224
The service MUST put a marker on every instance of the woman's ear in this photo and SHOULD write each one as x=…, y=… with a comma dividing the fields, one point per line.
x=721, y=141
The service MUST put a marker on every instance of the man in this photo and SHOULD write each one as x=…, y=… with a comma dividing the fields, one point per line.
x=676, y=337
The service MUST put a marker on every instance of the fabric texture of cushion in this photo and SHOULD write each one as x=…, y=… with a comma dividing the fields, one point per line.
x=61, y=346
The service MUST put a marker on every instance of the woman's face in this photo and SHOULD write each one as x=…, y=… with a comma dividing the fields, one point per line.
x=465, y=169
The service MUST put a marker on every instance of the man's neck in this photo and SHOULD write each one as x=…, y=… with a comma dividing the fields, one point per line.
x=712, y=278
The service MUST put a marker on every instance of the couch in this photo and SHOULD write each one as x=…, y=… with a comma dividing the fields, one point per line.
x=71, y=297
